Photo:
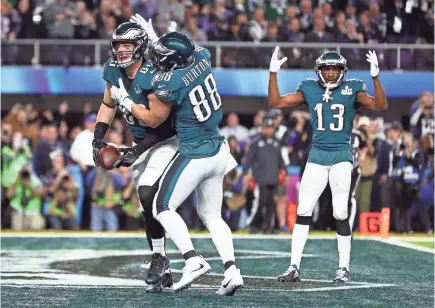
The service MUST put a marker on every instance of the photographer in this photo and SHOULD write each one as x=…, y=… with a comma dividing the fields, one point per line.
x=25, y=195
x=406, y=182
x=62, y=207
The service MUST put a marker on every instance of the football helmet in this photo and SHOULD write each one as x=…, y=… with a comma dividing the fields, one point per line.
x=173, y=50
x=330, y=58
x=128, y=32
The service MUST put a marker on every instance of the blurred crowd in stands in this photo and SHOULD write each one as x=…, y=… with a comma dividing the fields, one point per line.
x=49, y=179
x=314, y=21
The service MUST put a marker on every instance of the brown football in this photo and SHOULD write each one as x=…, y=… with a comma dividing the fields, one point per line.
x=108, y=156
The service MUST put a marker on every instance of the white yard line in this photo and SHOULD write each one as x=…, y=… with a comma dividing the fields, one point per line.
x=401, y=243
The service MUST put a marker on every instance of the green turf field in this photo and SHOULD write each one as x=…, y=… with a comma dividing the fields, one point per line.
x=71, y=271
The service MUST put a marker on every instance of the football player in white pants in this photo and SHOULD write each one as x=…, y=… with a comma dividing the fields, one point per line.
x=184, y=85
x=332, y=102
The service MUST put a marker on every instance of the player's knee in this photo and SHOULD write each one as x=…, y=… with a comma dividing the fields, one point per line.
x=304, y=209
x=208, y=218
x=341, y=214
x=343, y=227
x=146, y=196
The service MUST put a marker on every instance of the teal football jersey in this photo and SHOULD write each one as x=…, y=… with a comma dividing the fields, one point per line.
x=138, y=88
x=332, y=117
x=197, y=105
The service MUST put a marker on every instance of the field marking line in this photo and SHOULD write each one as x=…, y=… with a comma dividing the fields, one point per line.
x=396, y=242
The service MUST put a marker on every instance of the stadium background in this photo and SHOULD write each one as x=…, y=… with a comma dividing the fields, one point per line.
x=53, y=52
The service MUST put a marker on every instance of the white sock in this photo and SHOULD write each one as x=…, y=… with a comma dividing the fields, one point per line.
x=222, y=238
x=159, y=246
x=177, y=230
x=344, y=244
x=299, y=238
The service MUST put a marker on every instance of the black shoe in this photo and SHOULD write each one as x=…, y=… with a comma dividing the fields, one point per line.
x=342, y=275
x=291, y=275
x=165, y=282
x=159, y=264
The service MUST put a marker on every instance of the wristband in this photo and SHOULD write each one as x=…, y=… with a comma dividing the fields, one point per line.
x=100, y=130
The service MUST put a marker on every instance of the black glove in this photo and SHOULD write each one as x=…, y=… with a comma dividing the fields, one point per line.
x=97, y=145
x=127, y=158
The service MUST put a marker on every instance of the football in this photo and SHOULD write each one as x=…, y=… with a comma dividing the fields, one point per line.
x=108, y=156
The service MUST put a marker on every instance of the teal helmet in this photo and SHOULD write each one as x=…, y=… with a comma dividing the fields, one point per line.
x=173, y=50
x=132, y=33
x=331, y=58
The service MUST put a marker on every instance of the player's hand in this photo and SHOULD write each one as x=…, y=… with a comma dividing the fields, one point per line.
x=119, y=94
x=147, y=26
x=374, y=65
x=127, y=158
x=97, y=145
x=275, y=63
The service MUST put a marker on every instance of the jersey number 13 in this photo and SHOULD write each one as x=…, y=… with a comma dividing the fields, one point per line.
x=200, y=102
x=338, y=113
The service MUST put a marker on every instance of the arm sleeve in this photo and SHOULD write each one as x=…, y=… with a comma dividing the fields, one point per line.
x=249, y=159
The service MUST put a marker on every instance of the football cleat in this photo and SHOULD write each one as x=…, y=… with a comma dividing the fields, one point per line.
x=146, y=264
x=165, y=282
x=158, y=266
x=231, y=283
x=342, y=275
x=195, y=268
x=292, y=274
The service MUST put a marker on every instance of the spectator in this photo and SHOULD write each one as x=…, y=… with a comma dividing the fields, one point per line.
x=306, y=15
x=109, y=26
x=327, y=13
x=131, y=208
x=255, y=132
x=233, y=128
x=25, y=200
x=298, y=139
x=422, y=119
x=378, y=19
x=369, y=31
x=406, y=176
x=351, y=13
x=290, y=13
x=86, y=26
x=264, y=157
x=235, y=149
x=10, y=27
x=145, y=8
x=106, y=191
x=64, y=192
x=257, y=26
x=41, y=155
x=339, y=30
x=59, y=19
x=318, y=34
x=18, y=118
x=272, y=33
x=218, y=32
x=81, y=148
x=192, y=31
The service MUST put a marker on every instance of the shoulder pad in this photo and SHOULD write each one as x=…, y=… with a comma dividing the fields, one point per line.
x=165, y=85
x=203, y=51
x=110, y=71
x=360, y=85
x=146, y=74
x=304, y=83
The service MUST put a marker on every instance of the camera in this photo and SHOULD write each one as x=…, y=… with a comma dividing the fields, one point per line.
x=25, y=174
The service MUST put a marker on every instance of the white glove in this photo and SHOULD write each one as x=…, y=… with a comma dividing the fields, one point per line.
x=275, y=63
x=147, y=26
x=373, y=60
x=121, y=96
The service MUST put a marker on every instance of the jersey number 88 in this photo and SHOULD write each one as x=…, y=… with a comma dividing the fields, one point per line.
x=199, y=101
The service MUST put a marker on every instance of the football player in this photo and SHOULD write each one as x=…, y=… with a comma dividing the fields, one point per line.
x=155, y=144
x=332, y=102
x=187, y=86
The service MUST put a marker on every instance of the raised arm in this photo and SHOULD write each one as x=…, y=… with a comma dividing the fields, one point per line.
x=379, y=101
x=275, y=99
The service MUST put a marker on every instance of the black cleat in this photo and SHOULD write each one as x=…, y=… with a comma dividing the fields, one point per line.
x=158, y=266
x=291, y=275
x=342, y=275
x=165, y=282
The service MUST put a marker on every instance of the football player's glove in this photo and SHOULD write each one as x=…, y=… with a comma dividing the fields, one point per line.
x=147, y=26
x=275, y=63
x=374, y=65
x=127, y=158
x=97, y=145
x=121, y=95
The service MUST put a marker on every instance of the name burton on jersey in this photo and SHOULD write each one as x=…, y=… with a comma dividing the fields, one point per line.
x=195, y=72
